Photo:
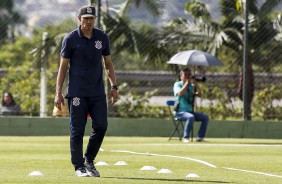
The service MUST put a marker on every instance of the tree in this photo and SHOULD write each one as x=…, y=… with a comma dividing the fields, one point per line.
x=121, y=35
x=124, y=37
x=213, y=36
x=133, y=42
x=150, y=5
x=8, y=19
x=13, y=55
x=22, y=62
x=21, y=79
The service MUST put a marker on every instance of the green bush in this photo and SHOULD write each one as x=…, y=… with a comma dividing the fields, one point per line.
x=263, y=106
x=134, y=105
x=137, y=106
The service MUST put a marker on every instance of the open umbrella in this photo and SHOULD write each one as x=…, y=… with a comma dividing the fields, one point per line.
x=194, y=57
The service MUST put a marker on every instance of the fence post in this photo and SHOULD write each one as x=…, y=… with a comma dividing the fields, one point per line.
x=246, y=80
x=43, y=78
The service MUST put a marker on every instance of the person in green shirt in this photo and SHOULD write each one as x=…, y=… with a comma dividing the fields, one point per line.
x=185, y=90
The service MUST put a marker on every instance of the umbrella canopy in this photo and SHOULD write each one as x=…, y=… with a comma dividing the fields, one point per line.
x=194, y=57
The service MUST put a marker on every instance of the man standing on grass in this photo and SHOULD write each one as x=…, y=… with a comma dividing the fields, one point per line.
x=81, y=52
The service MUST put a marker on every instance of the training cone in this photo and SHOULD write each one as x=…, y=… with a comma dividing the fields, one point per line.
x=36, y=173
x=101, y=163
x=192, y=175
x=121, y=163
x=101, y=149
x=148, y=168
x=165, y=171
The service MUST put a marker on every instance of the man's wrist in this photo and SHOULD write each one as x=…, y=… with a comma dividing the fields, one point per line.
x=58, y=91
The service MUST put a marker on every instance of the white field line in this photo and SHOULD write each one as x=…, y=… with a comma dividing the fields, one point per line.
x=255, y=172
x=223, y=145
x=196, y=160
x=171, y=156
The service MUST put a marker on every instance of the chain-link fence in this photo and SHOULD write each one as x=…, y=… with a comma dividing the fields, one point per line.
x=144, y=35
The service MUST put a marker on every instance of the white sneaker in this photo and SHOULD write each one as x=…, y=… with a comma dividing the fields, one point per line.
x=81, y=172
x=185, y=140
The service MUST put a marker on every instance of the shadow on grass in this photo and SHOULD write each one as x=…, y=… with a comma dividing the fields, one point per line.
x=162, y=179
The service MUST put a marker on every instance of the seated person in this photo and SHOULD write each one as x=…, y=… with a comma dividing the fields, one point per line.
x=8, y=106
x=185, y=92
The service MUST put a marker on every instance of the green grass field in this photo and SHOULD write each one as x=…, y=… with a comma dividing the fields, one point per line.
x=216, y=161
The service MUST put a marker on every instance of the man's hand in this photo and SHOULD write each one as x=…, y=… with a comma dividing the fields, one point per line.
x=59, y=101
x=193, y=81
x=114, y=96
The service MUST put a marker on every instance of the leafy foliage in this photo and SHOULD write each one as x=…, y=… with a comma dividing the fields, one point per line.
x=134, y=105
x=143, y=47
x=263, y=34
x=8, y=19
x=14, y=55
x=22, y=60
x=265, y=103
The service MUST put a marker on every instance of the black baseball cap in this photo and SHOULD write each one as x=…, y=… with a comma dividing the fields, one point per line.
x=87, y=11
